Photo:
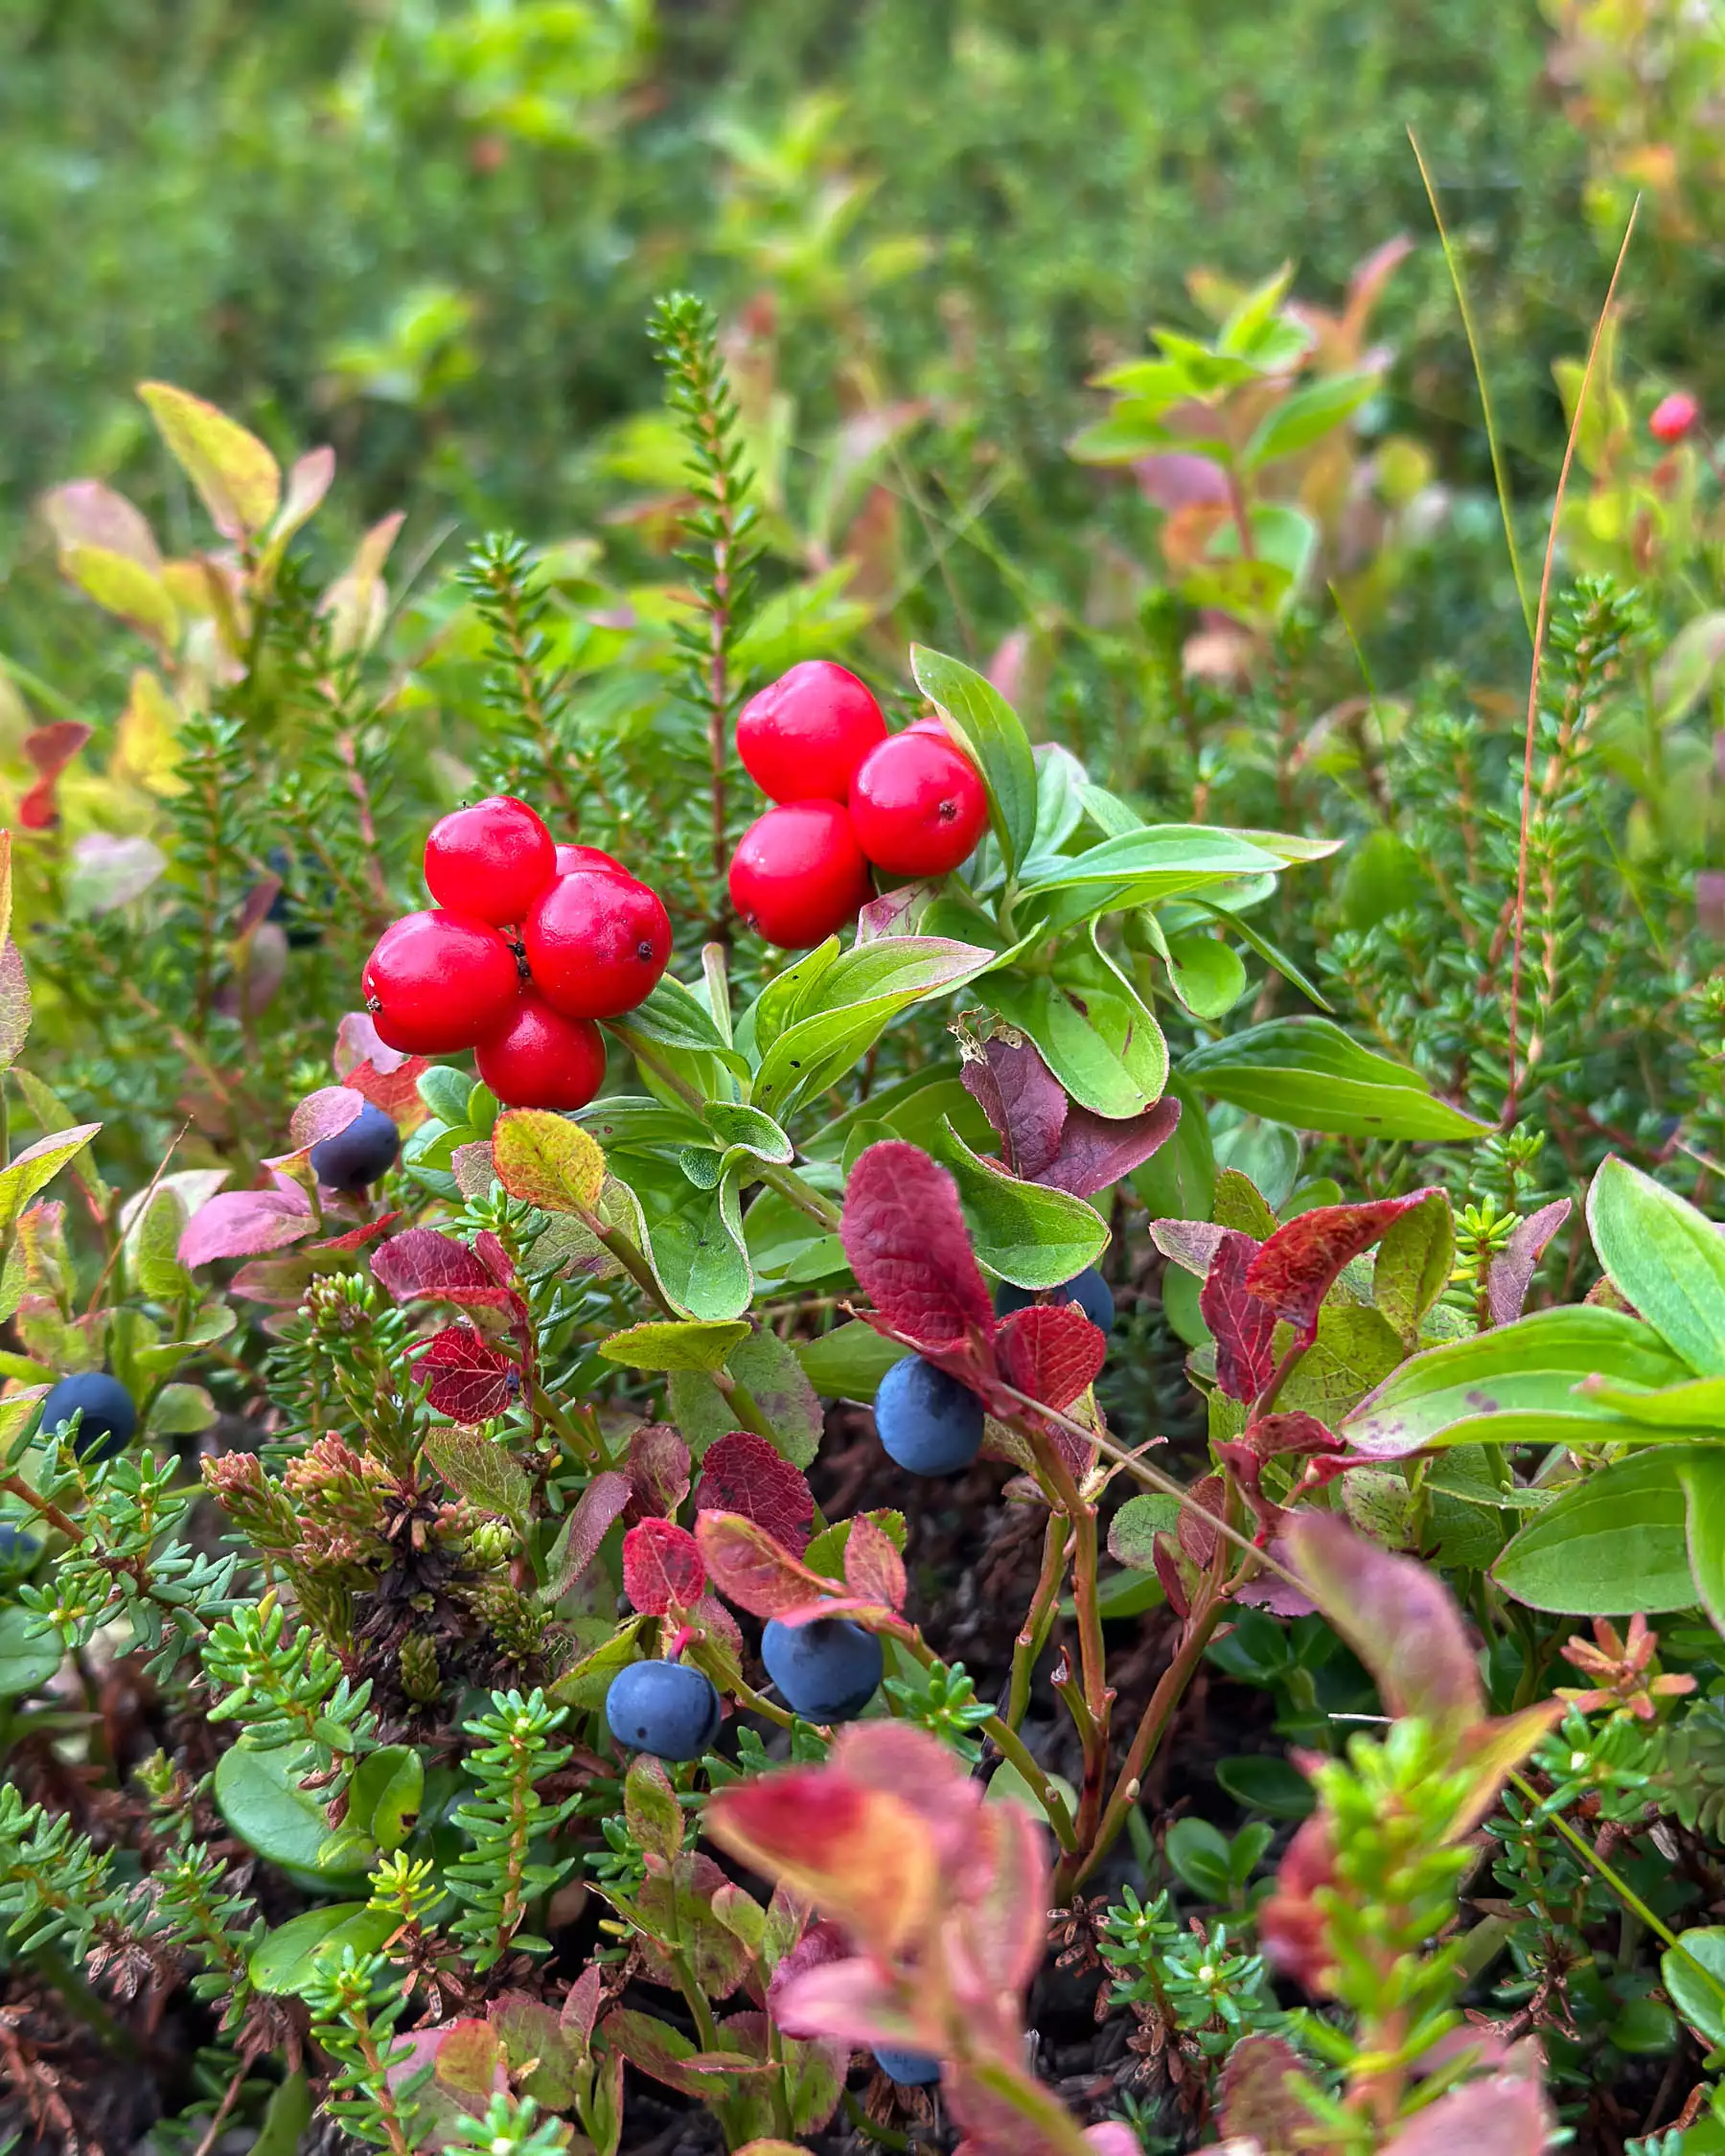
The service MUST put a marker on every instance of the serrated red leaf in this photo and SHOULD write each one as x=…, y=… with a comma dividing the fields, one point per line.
x=1022, y=1099
x=750, y=1568
x=906, y=1239
x=657, y=1470
x=662, y=1565
x=1294, y=1434
x=874, y=1572
x=1096, y=1150
x=395, y=1092
x=421, y=1263
x=1294, y=1270
x=468, y=1380
x=1051, y=1351
x=356, y=1238
x=1244, y=1327
x=740, y=1472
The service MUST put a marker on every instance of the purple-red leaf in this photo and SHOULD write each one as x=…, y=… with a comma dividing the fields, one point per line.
x=661, y=1566
x=423, y=1263
x=906, y=1239
x=1245, y=1328
x=464, y=1377
x=1191, y=1244
x=1051, y=1351
x=874, y=1572
x=1022, y=1099
x=756, y=1572
x=1096, y=1151
x=1511, y=1271
x=740, y=1472
x=657, y=1470
x=244, y=1224
x=600, y=1503
x=1499, y=2115
x=1296, y=1269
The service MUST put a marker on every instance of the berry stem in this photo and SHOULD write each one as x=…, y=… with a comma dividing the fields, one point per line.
x=1035, y=1629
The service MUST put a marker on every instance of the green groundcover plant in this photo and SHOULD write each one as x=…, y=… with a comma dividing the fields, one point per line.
x=1003, y=1526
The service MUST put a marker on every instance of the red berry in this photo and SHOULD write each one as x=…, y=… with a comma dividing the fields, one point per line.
x=918, y=806
x=1674, y=415
x=798, y=873
x=588, y=856
x=540, y=1059
x=436, y=982
x=803, y=736
x=597, y=942
x=490, y=861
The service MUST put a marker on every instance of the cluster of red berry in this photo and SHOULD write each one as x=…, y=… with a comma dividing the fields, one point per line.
x=529, y=942
x=851, y=797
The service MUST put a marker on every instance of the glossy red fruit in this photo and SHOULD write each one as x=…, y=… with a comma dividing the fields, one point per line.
x=917, y=805
x=803, y=736
x=437, y=981
x=490, y=861
x=1674, y=415
x=540, y=1059
x=597, y=942
x=798, y=873
x=570, y=857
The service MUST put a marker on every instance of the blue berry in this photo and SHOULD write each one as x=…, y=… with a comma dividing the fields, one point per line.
x=911, y=2070
x=827, y=1671
x=18, y=1549
x=929, y=1422
x=359, y=1155
x=109, y=1416
x=665, y=1708
x=1086, y=1289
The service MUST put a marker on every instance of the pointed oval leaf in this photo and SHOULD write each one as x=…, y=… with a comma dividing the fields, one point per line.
x=992, y=735
x=239, y=481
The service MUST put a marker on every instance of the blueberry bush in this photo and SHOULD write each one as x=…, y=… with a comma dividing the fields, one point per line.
x=767, y=1389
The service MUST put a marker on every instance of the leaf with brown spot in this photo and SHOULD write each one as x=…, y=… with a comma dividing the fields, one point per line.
x=741, y=1473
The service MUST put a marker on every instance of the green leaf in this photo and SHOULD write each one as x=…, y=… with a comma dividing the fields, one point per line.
x=848, y=1362
x=676, y=1017
x=28, y=1659
x=1696, y=1406
x=1518, y=1384
x=734, y=1124
x=1308, y=1072
x=548, y=1159
x=1665, y=1259
x=587, y=1681
x=1354, y=1350
x=684, y=1345
x=845, y=1009
x=180, y=1410
x=1702, y=1475
x=1179, y=1180
x=1104, y=1046
x=485, y=1473
x=285, y=2118
x=1305, y=417
x=1207, y=975
x=1157, y=861
x=238, y=479
x=1025, y=1232
x=1694, y=1975
x=1133, y=1530
x=37, y=1165
x=286, y=1960
x=445, y=1091
x=700, y=1253
x=1413, y=1263
x=825, y=1554
x=122, y=586
x=385, y=1793
x=775, y=1381
x=991, y=734
x=1608, y=1546
x=257, y=1794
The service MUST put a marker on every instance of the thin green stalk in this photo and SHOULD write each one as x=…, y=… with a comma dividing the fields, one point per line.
x=1035, y=1630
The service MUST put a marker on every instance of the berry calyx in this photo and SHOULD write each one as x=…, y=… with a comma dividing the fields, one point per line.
x=490, y=861
x=666, y=1708
x=917, y=806
x=1086, y=1289
x=437, y=981
x=826, y=1671
x=359, y=1155
x=597, y=941
x=799, y=875
x=911, y=2070
x=803, y=736
x=109, y=1413
x=542, y=1059
x=928, y=1422
x=1674, y=415
x=570, y=856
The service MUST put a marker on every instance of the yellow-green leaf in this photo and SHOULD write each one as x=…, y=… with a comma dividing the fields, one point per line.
x=126, y=588
x=689, y=1344
x=37, y=1165
x=239, y=481
x=550, y=1161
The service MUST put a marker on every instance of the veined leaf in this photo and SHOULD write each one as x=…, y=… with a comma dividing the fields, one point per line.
x=1308, y=1072
x=994, y=738
x=1025, y=1232
x=1665, y=1259
x=1608, y=1546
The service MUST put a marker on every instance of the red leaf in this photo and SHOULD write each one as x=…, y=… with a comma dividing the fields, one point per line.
x=657, y=1470
x=907, y=1246
x=423, y=1263
x=356, y=1042
x=1511, y=1270
x=1051, y=1351
x=1295, y=1268
x=322, y=1114
x=1269, y=1438
x=49, y=749
x=1022, y=1099
x=874, y=1572
x=600, y=1506
x=1096, y=1151
x=661, y=1566
x=757, y=1574
x=822, y=1942
x=1289, y=1921
x=1245, y=1328
x=356, y=1238
x=743, y=1473
x=395, y=1092
x=471, y=1382
x=1499, y=2115
x=244, y=1224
